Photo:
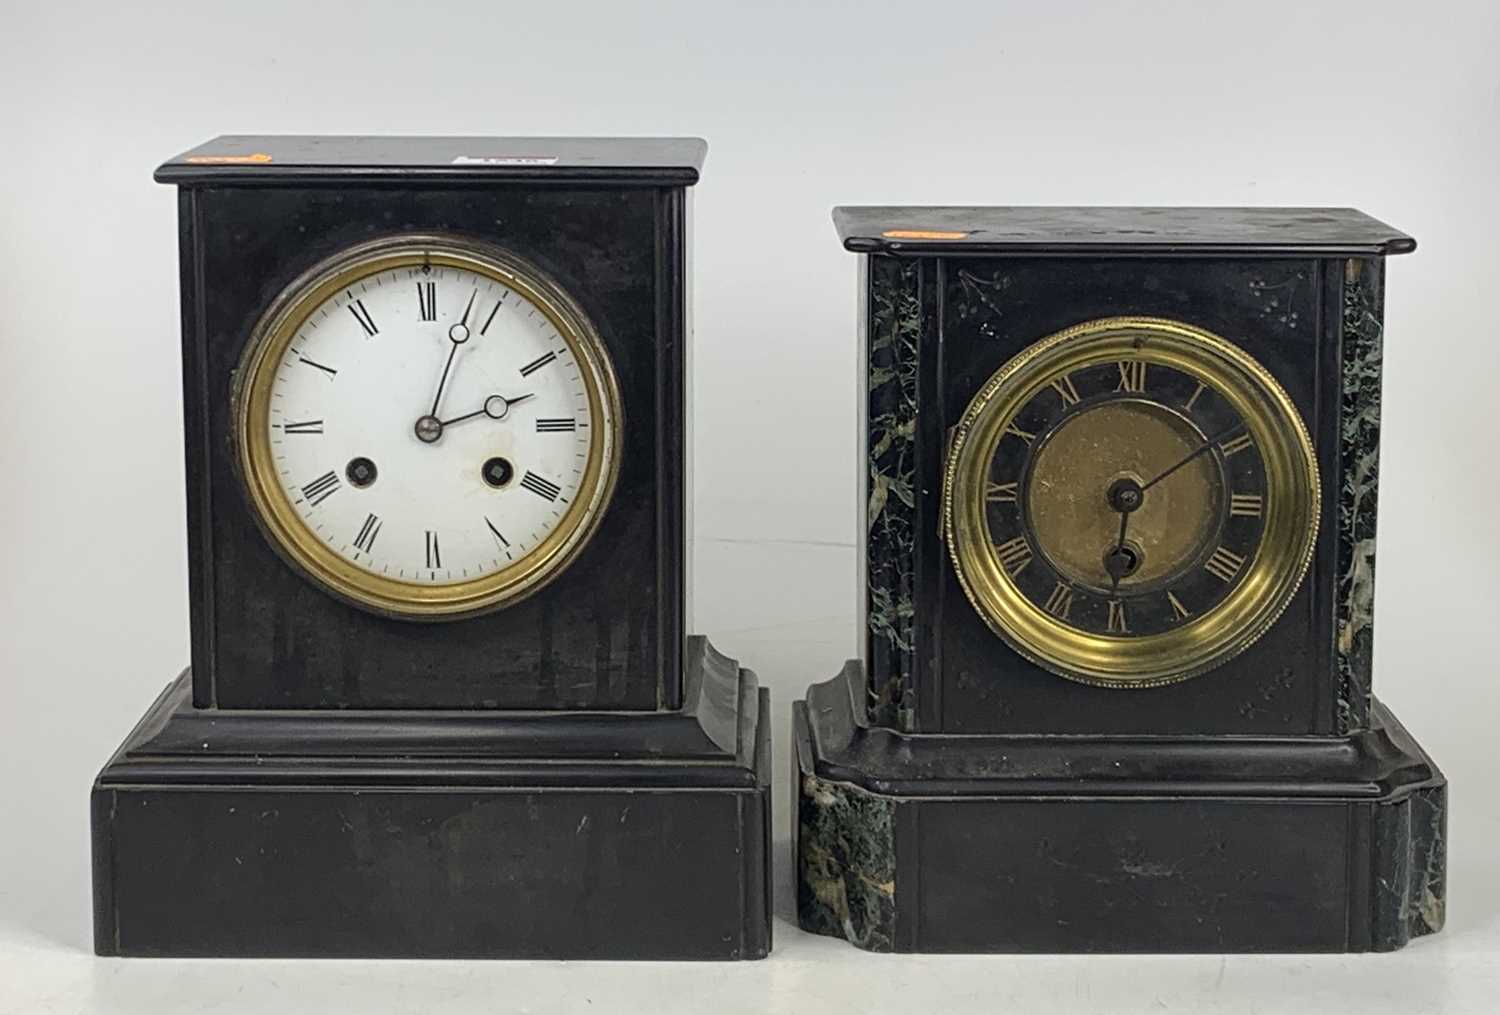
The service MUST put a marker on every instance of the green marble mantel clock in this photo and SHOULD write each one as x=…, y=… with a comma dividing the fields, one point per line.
x=1118, y=567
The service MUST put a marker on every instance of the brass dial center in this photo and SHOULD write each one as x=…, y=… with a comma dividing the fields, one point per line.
x=1075, y=468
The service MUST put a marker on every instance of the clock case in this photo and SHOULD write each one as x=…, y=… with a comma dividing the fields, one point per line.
x=952, y=795
x=571, y=776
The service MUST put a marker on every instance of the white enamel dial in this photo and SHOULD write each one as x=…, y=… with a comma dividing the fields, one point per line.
x=437, y=427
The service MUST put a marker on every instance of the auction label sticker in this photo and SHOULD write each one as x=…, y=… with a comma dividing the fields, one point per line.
x=256, y=159
x=922, y=234
x=505, y=160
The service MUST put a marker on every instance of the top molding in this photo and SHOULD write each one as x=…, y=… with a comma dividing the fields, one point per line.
x=1113, y=232
x=248, y=159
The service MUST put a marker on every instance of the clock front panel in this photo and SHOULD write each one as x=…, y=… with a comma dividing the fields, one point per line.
x=388, y=527
x=1167, y=629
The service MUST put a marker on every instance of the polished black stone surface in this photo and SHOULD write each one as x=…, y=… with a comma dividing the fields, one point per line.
x=442, y=835
x=1104, y=231
x=607, y=632
x=1287, y=314
x=247, y=158
x=936, y=328
x=985, y=843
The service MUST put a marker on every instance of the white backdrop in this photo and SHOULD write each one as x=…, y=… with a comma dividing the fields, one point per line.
x=1391, y=107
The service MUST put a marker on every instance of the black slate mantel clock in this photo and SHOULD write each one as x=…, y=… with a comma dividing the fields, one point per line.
x=1118, y=579
x=443, y=698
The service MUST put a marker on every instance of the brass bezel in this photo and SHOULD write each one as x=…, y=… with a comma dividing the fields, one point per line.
x=290, y=536
x=1273, y=574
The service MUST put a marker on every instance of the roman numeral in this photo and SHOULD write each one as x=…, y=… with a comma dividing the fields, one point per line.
x=306, y=426
x=1224, y=564
x=367, y=533
x=1247, y=504
x=1132, y=376
x=321, y=489
x=1060, y=602
x=1234, y=445
x=434, y=554
x=330, y=371
x=1179, y=612
x=556, y=425
x=538, y=363
x=546, y=489
x=427, y=300
x=1014, y=555
x=1188, y=405
x=504, y=543
x=1000, y=493
x=1016, y=431
x=357, y=308
x=1117, y=623
x=1064, y=386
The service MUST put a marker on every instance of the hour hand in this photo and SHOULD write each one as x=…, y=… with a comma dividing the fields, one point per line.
x=495, y=407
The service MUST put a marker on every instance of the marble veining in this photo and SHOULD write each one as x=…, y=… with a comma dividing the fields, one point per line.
x=1410, y=887
x=1359, y=458
x=1427, y=900
x=846, y=863
x=895, y=321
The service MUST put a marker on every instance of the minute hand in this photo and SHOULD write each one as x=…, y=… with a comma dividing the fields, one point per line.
x=457, y=336
x=1216, y=438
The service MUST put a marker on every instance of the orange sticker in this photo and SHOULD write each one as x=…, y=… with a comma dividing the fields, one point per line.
x=921, y=234
x=259, y=158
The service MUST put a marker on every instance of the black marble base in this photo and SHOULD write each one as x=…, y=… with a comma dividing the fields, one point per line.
x=442, y=834
x=982, y=843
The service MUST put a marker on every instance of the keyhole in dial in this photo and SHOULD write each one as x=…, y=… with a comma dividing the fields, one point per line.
x=497, y=471
x=361, y=472
x=1123, y=561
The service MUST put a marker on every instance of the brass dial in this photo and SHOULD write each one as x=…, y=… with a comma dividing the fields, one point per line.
x=1131, y=502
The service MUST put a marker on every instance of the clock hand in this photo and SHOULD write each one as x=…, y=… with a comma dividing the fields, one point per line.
x=1216, y=438
x=1116, y=561
x=495, y=407
x=458, y=334
x=1125, y=496
x=460, y=419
